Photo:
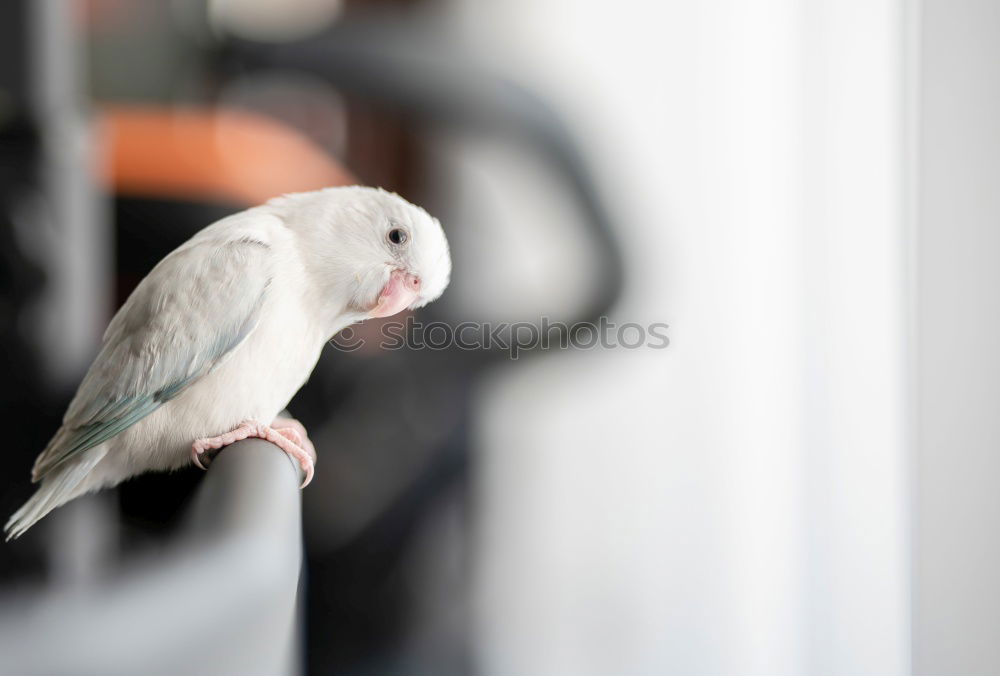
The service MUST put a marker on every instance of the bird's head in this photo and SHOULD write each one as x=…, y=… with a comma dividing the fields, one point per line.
x=377, y=251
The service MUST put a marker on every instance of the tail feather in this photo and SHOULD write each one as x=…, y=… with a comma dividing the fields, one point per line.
x=57, y=489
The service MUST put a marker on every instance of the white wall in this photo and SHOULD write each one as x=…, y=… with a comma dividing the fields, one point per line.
x=734, y=504
x=957, y=542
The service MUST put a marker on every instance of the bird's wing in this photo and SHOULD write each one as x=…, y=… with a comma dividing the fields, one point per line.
x=197, y=306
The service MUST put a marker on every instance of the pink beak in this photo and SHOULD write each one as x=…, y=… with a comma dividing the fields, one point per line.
x=399, y=293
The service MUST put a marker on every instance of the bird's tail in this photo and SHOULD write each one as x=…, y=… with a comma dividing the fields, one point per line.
x=57, y=489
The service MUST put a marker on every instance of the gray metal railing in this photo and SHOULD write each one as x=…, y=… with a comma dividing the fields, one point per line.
x=221, y=599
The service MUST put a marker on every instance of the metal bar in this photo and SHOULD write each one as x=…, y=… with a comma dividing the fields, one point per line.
x=219, y=600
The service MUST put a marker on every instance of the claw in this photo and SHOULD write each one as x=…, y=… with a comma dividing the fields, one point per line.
x=290, y=438
x=196, y=459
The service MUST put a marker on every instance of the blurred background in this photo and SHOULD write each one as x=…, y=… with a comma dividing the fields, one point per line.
x=802, y=483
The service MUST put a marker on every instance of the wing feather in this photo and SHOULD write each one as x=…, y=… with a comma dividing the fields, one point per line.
x=185, y=318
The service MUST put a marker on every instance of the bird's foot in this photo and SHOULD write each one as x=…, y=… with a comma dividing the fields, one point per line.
x=287, y=434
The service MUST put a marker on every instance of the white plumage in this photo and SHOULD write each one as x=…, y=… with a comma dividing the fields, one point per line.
x=229, y=326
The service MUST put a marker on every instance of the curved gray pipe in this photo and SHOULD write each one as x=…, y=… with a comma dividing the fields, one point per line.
x=408, y=66
x=219, y=600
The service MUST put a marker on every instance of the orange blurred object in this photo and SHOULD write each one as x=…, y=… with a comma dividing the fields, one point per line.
x=208, y=154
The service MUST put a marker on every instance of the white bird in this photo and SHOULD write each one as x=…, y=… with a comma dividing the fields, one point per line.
x=220, y=335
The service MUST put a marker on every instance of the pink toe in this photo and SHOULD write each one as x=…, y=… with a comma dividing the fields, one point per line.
x=291, y=434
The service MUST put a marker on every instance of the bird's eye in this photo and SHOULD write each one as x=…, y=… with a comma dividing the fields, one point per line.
x=397, y=236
